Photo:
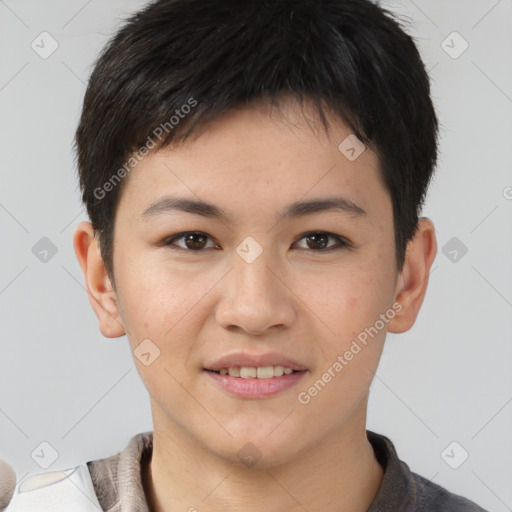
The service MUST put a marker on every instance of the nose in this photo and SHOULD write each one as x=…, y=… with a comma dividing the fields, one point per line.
x=256, y=298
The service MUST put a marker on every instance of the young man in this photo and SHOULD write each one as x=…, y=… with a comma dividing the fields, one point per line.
x=254, y=173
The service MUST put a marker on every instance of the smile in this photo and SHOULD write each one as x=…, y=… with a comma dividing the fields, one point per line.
x=260, y=372
x=252, y=383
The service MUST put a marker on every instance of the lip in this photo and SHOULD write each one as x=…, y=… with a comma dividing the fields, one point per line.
x=245, y=359
x=254, y=388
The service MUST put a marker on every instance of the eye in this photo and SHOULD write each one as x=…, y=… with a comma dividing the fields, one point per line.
x=196, y=241
x=318, y=241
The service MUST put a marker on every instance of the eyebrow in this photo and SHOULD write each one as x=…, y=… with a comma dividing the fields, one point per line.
x=294, y=210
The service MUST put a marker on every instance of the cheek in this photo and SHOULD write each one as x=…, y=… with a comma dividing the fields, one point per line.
x=155, y=308
x=350, y=297
x=163, y=304
x=350, y=304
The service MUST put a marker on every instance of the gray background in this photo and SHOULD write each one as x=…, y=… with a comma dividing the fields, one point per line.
x=448, y=379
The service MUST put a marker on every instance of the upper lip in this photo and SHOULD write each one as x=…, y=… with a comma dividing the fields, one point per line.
x=254, y=360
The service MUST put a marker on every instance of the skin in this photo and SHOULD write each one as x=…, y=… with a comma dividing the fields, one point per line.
x=293, y=299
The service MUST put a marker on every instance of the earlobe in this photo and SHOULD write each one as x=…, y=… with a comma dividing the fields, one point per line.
x=413, y=280
x=102, y=296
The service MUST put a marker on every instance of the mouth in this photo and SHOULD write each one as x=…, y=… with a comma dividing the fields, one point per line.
x=253, y=377
x=259, y=372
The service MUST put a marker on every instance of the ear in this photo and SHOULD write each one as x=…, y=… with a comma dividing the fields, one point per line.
x=413, y=280
x=102, y=296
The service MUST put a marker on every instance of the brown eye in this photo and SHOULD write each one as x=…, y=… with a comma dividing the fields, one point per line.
x=318, y=241
x=196, y=241
x=193, y=240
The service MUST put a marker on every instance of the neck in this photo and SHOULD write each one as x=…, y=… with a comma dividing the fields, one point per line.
x=341, y=475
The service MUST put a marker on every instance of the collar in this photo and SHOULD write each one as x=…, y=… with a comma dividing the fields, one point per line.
x=118, y=483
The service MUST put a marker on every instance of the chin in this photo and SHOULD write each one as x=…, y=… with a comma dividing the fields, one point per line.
x=258, y=450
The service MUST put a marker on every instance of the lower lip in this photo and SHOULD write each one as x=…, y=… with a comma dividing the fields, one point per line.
x=256, y=388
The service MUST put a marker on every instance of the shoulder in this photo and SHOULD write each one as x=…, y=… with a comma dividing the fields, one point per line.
x=68, y=489
x=430, y=496
x=405, y=491
x=112, y=483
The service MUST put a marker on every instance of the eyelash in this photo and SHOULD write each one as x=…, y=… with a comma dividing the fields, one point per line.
x=169, y=241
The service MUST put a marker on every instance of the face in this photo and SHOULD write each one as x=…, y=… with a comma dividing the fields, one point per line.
x=256, y=287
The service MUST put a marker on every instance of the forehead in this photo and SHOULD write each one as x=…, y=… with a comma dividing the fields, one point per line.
x=254, y=160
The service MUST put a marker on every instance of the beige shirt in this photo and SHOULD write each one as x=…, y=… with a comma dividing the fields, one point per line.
x=118, y=483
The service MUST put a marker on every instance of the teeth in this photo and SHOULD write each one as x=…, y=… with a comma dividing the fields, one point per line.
x=234, y=372
x=265, y=372
x=247, y=372
x=261, y=372
x=278, y=371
